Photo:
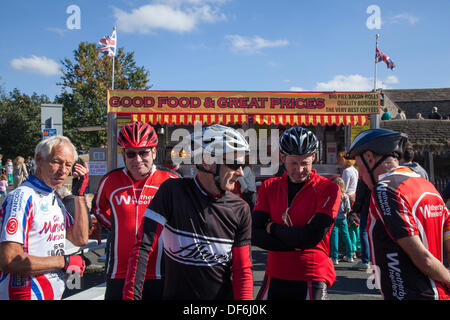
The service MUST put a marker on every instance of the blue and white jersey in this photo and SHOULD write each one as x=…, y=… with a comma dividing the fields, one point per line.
x=35, y=217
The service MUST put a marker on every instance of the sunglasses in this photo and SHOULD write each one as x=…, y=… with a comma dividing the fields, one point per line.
x=234, y=165
x=142, y=154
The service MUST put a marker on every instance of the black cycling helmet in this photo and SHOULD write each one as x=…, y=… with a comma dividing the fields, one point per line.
x=380, y=141
x=383, y=142
x=298, y=141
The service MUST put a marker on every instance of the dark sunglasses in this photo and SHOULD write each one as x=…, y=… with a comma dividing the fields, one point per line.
x=234, y=165
x=142, y=154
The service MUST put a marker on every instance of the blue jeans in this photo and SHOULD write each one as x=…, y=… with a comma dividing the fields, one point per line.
x=365, y=250
x=340, y=225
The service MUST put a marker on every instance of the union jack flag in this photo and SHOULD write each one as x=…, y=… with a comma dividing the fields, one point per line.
x=380, y=56
x=107, y=45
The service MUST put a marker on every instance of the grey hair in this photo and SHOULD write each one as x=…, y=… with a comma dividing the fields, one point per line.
x=63, y=192
x=45, y=147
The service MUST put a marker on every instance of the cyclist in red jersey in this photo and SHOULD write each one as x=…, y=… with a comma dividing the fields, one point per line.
x=292, y=219
x=206, y=228
x=122, y=197
x=408, y=223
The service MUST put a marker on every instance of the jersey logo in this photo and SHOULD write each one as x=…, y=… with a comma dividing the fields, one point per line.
x=129, y=199
x=18, y=281
x=383, y=198
x=195, y=249
x=44, y=207
x=11, y=226
x=431, y=211
x=122, y=198
x=395, y=275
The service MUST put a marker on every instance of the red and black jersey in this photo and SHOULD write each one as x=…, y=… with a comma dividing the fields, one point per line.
x=318, y=195
x=206, y=241
x=403, y=204
x=120, y=204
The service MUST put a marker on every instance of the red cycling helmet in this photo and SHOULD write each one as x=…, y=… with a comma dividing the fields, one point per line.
x=137, y=135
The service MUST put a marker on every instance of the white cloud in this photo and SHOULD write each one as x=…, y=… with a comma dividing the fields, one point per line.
x=59, y=31
x=391, y=80
x=175, y=15
x=296, y=89
x=42, y=65
x=353, y=82
x=252, y=45
x=404, y=17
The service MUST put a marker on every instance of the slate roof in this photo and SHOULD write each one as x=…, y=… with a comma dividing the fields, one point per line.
x=423, y=134
x=416, y=95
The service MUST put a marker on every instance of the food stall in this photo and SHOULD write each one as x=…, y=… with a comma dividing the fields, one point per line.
x=335, y=117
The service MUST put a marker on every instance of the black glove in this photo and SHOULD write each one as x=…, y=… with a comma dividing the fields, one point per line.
x=80, y=184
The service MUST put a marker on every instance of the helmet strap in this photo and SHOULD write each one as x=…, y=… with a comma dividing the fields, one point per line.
x=371, y=171
x=216, y=176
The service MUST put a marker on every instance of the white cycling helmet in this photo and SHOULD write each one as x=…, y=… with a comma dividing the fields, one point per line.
x=217, y=140
x=213, y=144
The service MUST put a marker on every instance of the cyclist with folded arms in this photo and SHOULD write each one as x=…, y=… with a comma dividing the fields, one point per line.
x=206, y=228
x=122, y=197
x=292, y=219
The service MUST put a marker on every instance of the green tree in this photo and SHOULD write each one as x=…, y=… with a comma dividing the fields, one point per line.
x=20, y=123
x=85, y=82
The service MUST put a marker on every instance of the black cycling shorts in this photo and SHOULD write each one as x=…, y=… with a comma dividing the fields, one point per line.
x=278, y=289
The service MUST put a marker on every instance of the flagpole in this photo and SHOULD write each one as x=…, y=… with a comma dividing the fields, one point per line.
x=375, y=118
x=375, y=74
x=112, y=126
x=112, y=78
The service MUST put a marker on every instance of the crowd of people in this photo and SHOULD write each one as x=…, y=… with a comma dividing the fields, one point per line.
x=182, y=238
x=434, y=115
x=17, y=171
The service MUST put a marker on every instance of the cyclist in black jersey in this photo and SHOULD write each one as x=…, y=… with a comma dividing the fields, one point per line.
x=206, y=228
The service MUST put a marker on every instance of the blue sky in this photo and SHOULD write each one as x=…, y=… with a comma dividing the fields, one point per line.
x=250, y=45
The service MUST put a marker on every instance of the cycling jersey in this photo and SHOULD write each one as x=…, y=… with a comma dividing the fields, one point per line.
x=403, y=204
x=318, y=196
x=203, y=236
x=34, y=216
x=119, y=204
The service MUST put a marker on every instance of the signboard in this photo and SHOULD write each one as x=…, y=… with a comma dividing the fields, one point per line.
x=98, y=168
x=331, y=152
x=47, y=133
x=356, y=129
x=244, y=102
x=51, y=117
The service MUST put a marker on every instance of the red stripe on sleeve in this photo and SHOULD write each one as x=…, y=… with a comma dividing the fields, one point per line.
x=242, y=273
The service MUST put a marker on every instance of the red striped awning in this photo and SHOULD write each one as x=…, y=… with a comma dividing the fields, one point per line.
x=178, y=119
x=312, y=119
x=299, y=119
